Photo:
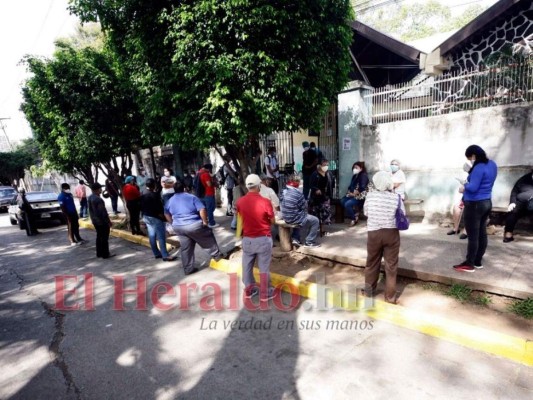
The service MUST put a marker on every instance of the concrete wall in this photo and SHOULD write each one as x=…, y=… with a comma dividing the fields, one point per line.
x=431, y=150
x=353, y=113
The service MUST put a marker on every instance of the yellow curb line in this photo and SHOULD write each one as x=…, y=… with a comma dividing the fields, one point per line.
x=510, y=347
x=142, y=240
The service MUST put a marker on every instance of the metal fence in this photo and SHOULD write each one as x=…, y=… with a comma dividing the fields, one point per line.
x=328, y=143
x=426, y=96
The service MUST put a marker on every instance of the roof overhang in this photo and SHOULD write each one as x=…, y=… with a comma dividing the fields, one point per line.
x=380, y=59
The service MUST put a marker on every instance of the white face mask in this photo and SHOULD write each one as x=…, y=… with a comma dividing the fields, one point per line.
x=66, y=190
x=467, y=166
x=356, y=171
x=325, y=168
x=306, y=148
x=167, y=173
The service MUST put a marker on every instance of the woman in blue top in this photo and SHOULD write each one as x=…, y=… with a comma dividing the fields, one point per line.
x=477, y=193
x=356, y=193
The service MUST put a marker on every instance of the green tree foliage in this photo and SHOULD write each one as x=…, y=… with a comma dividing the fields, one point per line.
x=226, y=72
x=82, y=110
x=14, y=163
x=411, y=21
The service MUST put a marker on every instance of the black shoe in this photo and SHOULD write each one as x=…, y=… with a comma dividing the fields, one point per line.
x=192, y=271
x=219, y=257
x=462, y=236
x=158, y=256
x=109, y=256
x=173, y=258
x=452, y=232
x=508, y=239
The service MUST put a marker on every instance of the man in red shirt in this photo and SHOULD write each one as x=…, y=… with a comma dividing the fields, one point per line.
x=206, y=180
x=257, y=218
x=132, y=195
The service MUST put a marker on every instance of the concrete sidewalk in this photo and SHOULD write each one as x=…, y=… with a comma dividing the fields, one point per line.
x=428, y=254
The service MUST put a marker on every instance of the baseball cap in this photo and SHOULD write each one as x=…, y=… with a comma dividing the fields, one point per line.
x=252, y=180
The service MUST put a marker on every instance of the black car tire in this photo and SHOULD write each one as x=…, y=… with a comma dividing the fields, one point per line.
x=22, y=225
x=13, y=221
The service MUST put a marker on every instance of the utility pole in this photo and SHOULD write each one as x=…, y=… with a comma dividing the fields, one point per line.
x=2, y=126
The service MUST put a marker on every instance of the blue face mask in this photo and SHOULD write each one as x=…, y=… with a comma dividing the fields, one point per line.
x=394, y=168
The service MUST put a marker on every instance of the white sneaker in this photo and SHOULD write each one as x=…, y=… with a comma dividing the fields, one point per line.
x=213, y=226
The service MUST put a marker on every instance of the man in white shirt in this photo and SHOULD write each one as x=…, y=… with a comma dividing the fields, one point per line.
x=268, y=193
x=272, y=168
x=167, y=183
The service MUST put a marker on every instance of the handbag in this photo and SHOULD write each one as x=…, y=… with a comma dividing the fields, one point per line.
x=105, y=194
x=362, y=195
x=402, y=222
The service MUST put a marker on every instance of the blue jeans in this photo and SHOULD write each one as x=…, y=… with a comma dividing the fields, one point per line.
x=312, y=224
x=348, y=203
x=84, y=211
x=114, y=203
x=476, y=214
x=210, y=206
x=156, y=233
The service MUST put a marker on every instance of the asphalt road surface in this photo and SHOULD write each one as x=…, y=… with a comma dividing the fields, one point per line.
x=194, y=352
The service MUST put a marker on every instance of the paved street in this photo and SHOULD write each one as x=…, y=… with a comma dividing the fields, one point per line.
x=192, y=353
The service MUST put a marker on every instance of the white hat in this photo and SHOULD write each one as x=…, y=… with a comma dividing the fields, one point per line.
x=252, y=180
x=382, y=181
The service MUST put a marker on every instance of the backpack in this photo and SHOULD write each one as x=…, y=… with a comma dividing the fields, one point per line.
x=199, y=189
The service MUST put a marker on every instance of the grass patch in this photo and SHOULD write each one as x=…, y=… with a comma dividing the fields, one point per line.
x=435, y=287
x=482, y=299
x=524, y=308
x=459, y=292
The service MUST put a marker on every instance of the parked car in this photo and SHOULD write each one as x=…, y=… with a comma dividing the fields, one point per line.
x=7, y=194
x=45, y=207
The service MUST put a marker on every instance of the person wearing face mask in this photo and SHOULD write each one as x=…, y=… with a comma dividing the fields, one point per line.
x=66, y=202
x=167, y=184
x=356, y=193
x=398, y=178
x=322, y=184
x=477, y=198
x=310, y=160
x=520, y=204
x=272, y=168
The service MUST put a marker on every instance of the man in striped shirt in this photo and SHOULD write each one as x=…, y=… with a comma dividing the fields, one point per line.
x=294, y=212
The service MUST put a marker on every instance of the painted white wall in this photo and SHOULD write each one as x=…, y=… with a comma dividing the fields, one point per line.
x=431, y=150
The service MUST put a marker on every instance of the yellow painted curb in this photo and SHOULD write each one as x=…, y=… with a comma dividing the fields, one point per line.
x=142, y=240
x=510, y=347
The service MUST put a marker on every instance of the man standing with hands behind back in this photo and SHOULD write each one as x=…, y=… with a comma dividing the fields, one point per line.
x=100, y=219
x=310, y=161
x=257, y=218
